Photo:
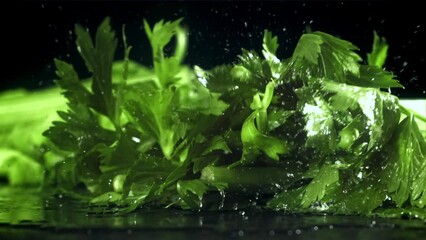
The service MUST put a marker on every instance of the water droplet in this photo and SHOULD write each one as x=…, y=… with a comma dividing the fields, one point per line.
x=222, y=201
x=235, y=206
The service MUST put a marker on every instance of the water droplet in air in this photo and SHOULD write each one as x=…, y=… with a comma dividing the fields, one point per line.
x=235, y=206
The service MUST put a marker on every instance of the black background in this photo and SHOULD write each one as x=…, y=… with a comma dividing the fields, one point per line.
x=35, y=32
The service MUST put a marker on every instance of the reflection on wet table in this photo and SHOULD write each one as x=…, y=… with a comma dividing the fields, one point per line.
x=25, y=214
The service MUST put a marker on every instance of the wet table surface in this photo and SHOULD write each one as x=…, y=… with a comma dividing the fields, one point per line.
x=27, y=215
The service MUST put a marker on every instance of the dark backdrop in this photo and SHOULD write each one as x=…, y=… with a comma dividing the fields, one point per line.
x=34, y=32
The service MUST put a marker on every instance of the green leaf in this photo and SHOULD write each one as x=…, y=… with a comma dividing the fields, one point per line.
x=121, y=88
x=120, y=156
x=319, y=127
x=405, y=168
x=321, y=55
x=166, y=68
x=379, y=110
x=255, y=128
x=363, y=195
x=278, y=117
x=217, y=143
x=270, y=46
x=99, y=60
x=211, y=151
x=288, y=200
x=379, y=53
x=161, y=34
x=251, y=70
x=254, y=140
x=270, y=43
x=153, y=111
x=75, y=92
x=319, y=185
x=106, y=198
x=192, y=192
x=79, y=130
x=351, y=133
x=308, y=49
x=374, y=77
x=177, y=174
x=241, y=73
x=195, y=99
x=144, y=179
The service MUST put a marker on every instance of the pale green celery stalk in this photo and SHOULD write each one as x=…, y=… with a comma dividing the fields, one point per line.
x=24, y=116
x=19, y=169
x=18, y=106
x=250, y=179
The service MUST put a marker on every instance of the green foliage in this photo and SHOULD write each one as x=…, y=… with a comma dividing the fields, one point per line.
x=405, y=169
x=319, y=54
x=319, y=185
x=311, y=133
x=379, y=53
x=98, y=59
x=255, y=129
x=374, y=77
